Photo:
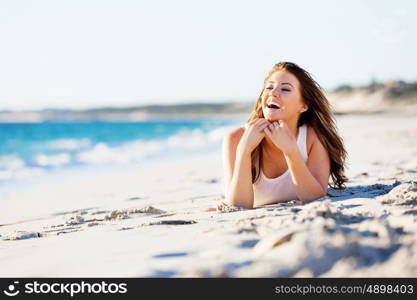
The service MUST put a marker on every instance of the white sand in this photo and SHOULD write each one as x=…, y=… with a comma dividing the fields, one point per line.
x=107, y=225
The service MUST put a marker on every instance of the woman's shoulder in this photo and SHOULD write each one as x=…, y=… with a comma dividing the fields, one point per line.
x=233, y=136
x=236, y=132
x=311, y=138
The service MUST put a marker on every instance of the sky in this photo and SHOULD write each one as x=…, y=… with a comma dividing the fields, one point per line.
x=94, y=53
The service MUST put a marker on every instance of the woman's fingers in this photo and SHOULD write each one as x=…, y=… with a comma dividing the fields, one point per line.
x=262, y=127
x=259, y=124
x=274, y=125
x=268, y=131
x=255, y=122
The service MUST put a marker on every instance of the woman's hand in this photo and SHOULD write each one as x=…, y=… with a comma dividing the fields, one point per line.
x=253, y=135
x=281, y=136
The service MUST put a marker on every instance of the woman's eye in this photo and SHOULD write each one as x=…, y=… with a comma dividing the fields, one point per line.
x=271, y=88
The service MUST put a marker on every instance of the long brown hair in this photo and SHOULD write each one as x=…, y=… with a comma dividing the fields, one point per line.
x=318, y=115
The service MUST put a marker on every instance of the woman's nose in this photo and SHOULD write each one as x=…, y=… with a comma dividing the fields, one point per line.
x=275, y=92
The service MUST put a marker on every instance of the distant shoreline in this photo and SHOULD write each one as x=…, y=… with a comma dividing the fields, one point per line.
x=170, y=112
x=390, y=96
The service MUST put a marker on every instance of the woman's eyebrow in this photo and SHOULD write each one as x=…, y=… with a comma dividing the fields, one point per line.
x=281, y=83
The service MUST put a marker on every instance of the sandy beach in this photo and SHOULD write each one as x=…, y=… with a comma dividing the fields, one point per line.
x=166, y=221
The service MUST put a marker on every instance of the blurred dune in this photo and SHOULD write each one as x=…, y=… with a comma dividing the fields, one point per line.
x=390, y=96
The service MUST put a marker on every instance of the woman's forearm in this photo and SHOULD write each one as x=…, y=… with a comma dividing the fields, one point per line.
x=240, y=190
x=307, y=187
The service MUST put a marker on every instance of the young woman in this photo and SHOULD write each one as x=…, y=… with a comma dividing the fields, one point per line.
x=288, y=149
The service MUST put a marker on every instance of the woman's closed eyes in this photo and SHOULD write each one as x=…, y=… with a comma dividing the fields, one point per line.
x=283, y=89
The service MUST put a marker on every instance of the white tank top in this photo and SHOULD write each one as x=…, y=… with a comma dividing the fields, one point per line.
x=279, y=189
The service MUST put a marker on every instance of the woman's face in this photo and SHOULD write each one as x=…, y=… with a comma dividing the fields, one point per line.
x=281, y=97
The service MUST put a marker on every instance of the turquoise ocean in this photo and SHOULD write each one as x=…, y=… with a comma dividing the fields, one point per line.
x=34, y=150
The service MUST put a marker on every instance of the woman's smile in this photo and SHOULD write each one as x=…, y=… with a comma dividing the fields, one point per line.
x=273, y=108
x=273, y=105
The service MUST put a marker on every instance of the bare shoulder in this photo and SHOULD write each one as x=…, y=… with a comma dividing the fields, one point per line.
x=311, y=138
x=233, y=136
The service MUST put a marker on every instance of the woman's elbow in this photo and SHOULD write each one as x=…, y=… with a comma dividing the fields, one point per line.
x=311, y=197
x=236, y=200
x=322, y=193
x=245, y=205
x=232, y=201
